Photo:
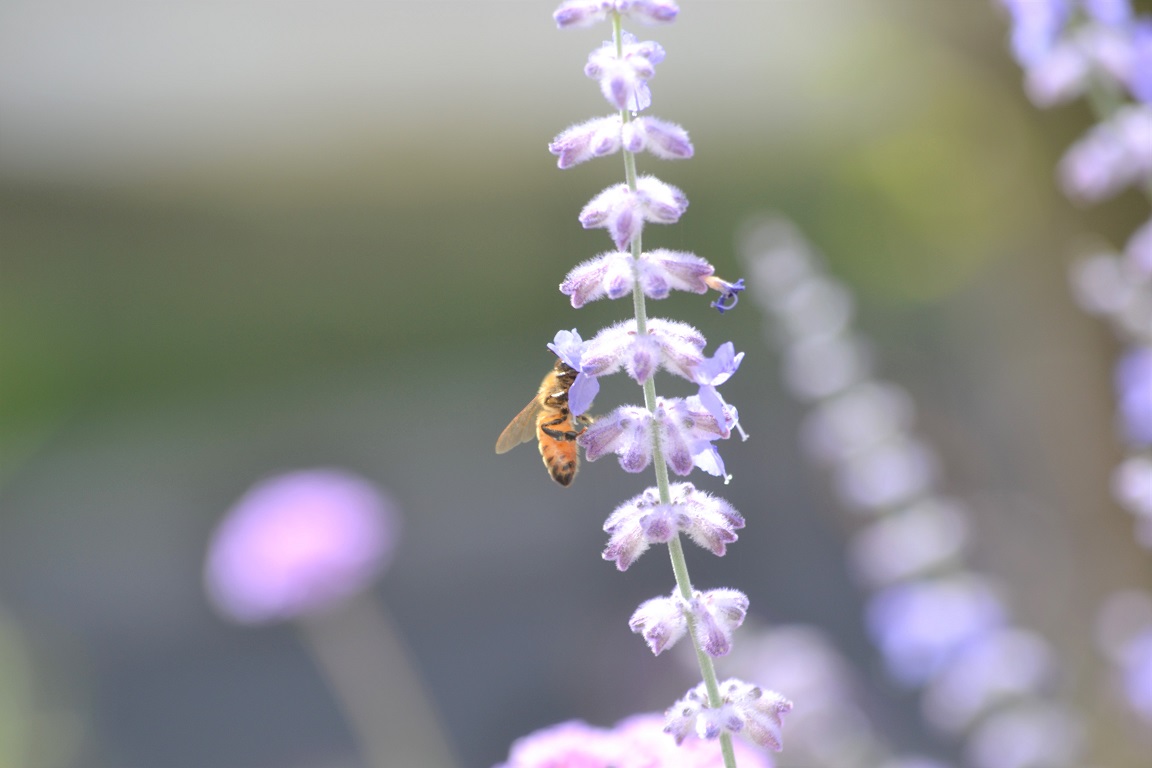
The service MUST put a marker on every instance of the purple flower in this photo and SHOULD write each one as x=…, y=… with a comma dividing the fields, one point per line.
x=927, y=536
x=569, y=347
x=685, y=428
x=716, y=614
x=1025, y=735
x=1036, y=25
x=602, y=136
x=623, y=212
x=919, y=626
x=1134, y=395
x=624, y=79
x=1112, y=156
x=709, y=521
x=585, y=13
x=744, y=708
x=612, y=275
x=1138, y=249
x=677, y=347
x=713, y=371
x=297, y=543
x=1140, y=71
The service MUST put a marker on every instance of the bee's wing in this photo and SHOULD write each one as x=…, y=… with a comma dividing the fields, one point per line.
x=521, y=429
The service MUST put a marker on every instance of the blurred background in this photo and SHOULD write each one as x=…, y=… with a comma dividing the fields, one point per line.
x=248, y=237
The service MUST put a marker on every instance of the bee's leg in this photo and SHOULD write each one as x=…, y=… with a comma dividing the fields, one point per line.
x=566, y=435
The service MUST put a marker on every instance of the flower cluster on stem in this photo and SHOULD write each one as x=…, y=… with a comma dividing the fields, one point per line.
x=676, y=434
x=1101, y=50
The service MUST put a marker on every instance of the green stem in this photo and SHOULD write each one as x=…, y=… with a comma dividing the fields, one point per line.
x=675, y=548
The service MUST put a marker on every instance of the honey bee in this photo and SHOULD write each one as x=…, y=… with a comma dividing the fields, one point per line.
x=548, y=419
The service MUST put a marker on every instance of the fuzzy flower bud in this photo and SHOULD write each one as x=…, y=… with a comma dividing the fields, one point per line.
x=642, y=521
x=585, y=13
x=624, y=79
x=715, y=614
x=613, y=275
x=685, y=427
x=623, y=212
x=744, y=708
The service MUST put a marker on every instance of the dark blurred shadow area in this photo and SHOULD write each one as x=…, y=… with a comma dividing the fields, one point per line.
x=238, y=239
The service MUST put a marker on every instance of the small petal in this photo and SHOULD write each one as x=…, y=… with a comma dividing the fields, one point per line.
x=661, y=621
x=623, y=212
x=675, y=269
x=624, y=79
x=609, y=274
x=627, y=432
x=665, y=140
x=717, y=613
x=595, y=138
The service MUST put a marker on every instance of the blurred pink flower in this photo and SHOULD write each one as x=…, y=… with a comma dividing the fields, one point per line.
x=635, y=742
x=298, y=542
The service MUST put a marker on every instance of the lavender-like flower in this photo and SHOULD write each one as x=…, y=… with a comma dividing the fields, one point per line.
x=676, y=434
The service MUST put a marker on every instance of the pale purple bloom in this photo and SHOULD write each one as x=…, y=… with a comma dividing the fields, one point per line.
x=664, y=139
x=1134, y=395
x=1138, y=249
x=602, y=136
x=597, y=137
x=927, y=536
x=677, y=347
x=1136, y=673
x=650, y=747
x=623, y=212
x=297, y=543
x=1032, y=734
x=713, y=371
x=685, y=429
x=1113, y=155
x=818, y=365
x=612, y=275
x=624, y=79
x=1132, y=486
x=716, y=614
x=661, y=621
x=997, y=668
x=1036, y=25
x=709, y=521
x=569, y=347
x=886, y=475
x=745, y=708
x=855, y=420
x=1113, y=13
x=921, y=625
x=585, y=13
x=1140, y=71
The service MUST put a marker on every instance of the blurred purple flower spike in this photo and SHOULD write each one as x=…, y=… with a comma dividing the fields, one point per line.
x=298, y=542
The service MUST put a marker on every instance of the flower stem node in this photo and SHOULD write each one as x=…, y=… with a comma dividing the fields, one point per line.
x=712, y=616
x=711, y=522
x=744, y=708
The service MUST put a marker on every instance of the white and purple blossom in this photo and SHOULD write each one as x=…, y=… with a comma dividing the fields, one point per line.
x=677, y=347
x=715, y=615
x=569, y=347
x=585, y=13
x=624, y=76
x=623, y=211
x=709, y=521
x=744, y=707
x=602, y=136
x=1115, y=154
